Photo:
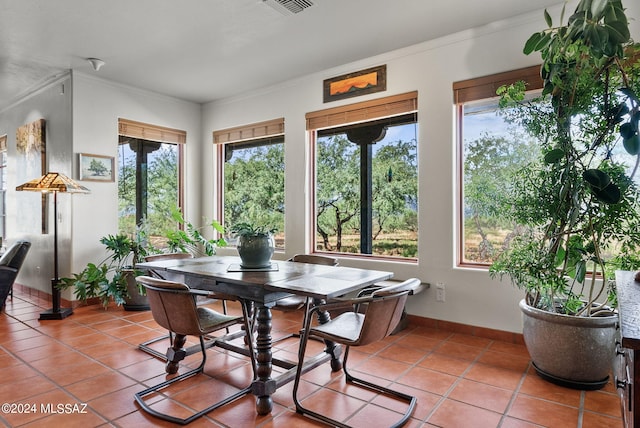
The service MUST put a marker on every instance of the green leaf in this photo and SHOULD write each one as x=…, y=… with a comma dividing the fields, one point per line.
x=632, y=144
x=596, y=178
x=548, y=19
x=597, y=8
x=618, y=31
x=531, y=43
x=609, y=195
x=627, y=130
x=554, y=156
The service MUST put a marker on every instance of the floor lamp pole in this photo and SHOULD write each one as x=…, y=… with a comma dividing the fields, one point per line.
x=56, y=313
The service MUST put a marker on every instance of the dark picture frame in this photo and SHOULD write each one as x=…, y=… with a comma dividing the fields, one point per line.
x=96, y=167
x=354, y=84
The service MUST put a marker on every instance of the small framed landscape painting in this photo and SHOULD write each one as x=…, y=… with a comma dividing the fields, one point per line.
x=96, y=167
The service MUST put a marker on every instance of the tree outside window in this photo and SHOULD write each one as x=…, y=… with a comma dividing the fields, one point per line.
x=147, y=185
x=254, y=185
x=393, y=202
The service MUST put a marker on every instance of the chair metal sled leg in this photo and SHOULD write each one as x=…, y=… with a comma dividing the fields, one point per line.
x=382, y=310
x=174, y=307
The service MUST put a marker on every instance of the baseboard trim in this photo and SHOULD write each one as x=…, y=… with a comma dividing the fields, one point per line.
x=487, y=333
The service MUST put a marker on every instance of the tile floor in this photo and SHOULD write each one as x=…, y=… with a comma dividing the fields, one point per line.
x=90, y=362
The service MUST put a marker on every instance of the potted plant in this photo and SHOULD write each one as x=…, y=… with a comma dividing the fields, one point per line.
x=114, y=277
x=189, y=239
x=255, y=244
x=578, y=201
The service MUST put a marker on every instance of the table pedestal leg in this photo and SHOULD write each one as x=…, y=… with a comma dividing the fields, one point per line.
x=263, y=386
x=330, y=347
x=175, y=353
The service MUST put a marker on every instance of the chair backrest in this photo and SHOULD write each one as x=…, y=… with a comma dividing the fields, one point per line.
x=167, y=256
x=383, y=312
x=15, y=255
x=172, y=305
x=314, y=259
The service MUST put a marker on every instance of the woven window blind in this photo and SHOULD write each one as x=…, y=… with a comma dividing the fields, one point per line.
x=363, y=111
x=145, y=131
x=485, y=87
x=254, y=131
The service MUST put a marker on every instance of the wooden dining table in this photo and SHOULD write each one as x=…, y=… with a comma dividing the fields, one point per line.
x=263, y=288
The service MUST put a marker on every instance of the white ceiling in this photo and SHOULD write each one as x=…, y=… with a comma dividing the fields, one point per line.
x=202, y=50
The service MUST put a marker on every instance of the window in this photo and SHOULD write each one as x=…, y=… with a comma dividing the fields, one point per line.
x=366, y=178
x=252, y=175
x=149, y=176
x=490, y=150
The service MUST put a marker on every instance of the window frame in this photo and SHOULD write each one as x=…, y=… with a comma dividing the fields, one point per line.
x=243, y=134
x=476, y=89
x=159, y=134
x=343, y=117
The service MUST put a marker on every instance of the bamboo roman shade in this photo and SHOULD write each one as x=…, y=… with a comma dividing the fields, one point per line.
x=145, y=131
x=254, y=131
x=485, y=87
x=363, y=111
x=3, y=143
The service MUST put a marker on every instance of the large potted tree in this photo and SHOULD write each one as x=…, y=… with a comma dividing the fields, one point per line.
x=578, y=201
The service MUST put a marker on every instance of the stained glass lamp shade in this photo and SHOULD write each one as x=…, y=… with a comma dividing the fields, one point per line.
x=54, y=182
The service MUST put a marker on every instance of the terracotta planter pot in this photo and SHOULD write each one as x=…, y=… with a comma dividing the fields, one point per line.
x=576, y=352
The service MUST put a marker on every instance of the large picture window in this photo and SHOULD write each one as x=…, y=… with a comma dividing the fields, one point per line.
x=366, y=178
x=490, y=151
x=149, y=177
x=252, y=176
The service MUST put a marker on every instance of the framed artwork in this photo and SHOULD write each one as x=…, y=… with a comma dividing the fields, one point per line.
x=96, y=167
x=31, y=162
x=355, y=84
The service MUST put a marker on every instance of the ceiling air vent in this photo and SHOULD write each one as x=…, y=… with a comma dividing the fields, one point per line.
x=287, y=7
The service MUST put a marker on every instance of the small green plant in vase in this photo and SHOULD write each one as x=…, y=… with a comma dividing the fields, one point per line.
x=255, y=244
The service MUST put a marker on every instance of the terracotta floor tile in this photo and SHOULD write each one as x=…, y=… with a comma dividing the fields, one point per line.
x=481, y=395
x=456, y=414
x=504, y=360
x=602, y=402
x=496, y=376
x=384, y=368
x=98, y=386
x=93, y=357
x=543, y=412
x=596, y=420
x=372, y=415
x=403, y=354
x=459, y=350
x=465, y=339
x=537, y=387
x=428, y=380
x=416, y=341
x=445, y=363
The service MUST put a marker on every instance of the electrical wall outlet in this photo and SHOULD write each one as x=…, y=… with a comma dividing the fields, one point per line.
x=440, y=293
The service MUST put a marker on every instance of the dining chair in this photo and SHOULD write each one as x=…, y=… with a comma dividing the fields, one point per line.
x=146, y=346
x=369, y=318
x=10, y=264
x=297, y=303
x=173, y=305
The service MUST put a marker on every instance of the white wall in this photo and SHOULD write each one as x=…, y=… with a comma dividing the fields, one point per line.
x=97, y=105
x=51, y=102
x=430, y=68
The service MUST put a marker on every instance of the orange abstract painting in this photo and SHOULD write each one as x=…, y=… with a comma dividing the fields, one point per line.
x=355, y=84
